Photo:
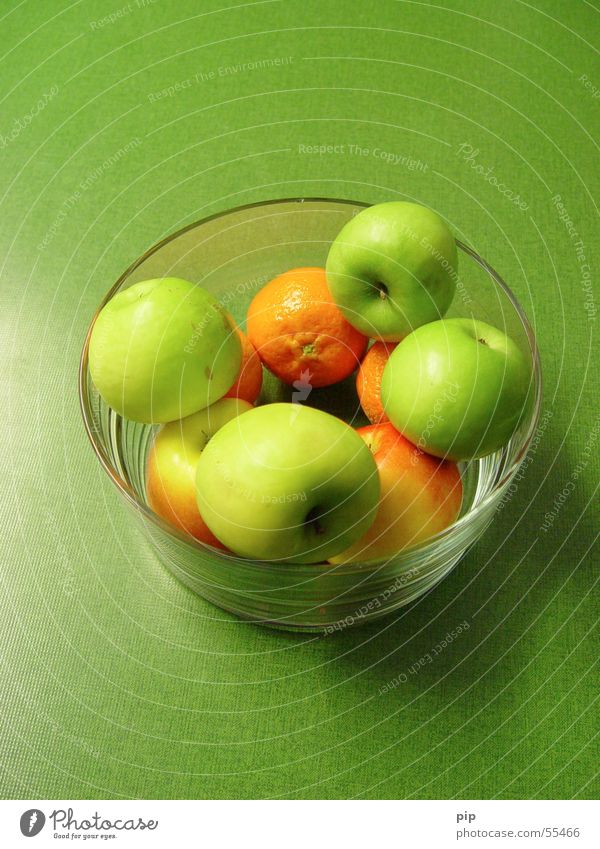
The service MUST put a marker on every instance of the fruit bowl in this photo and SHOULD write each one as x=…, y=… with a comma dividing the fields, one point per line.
x=232, y=255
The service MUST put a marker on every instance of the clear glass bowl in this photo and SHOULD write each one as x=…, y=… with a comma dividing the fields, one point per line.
x=233, y=254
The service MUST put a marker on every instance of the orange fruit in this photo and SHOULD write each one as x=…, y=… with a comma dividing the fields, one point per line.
x=299, y=332
x=368, y=381
x=249, y=381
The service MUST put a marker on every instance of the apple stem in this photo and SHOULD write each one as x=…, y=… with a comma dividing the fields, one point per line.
x=312, y=519
x=383, y=290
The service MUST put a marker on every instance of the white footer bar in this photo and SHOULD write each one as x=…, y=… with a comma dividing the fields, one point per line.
x=300, y=824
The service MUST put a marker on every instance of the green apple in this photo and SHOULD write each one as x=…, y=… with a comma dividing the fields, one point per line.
x=163, y=349
x=392, y=268
x=457, y=388
x=287, y=482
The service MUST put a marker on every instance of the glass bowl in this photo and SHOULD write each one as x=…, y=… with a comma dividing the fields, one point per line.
x=233, y=254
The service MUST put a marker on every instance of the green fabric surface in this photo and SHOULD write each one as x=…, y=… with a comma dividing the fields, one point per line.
x=116, y=680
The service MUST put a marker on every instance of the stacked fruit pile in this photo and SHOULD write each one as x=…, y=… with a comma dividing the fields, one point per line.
x=288, y=481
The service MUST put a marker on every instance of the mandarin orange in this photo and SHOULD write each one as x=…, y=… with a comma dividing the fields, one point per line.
x=299, y=332
x=249, y=381
x=368, y=381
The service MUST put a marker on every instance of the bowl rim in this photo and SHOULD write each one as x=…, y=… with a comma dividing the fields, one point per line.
x=129, y=494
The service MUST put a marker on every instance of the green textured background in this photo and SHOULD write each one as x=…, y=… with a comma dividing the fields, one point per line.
x=117, y=681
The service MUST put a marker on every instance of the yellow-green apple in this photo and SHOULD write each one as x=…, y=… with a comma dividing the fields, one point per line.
x=420, y=496
x=287, y=482
x=163, y=349
x=172, y=461
x=457, y=388
x=392, y=268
